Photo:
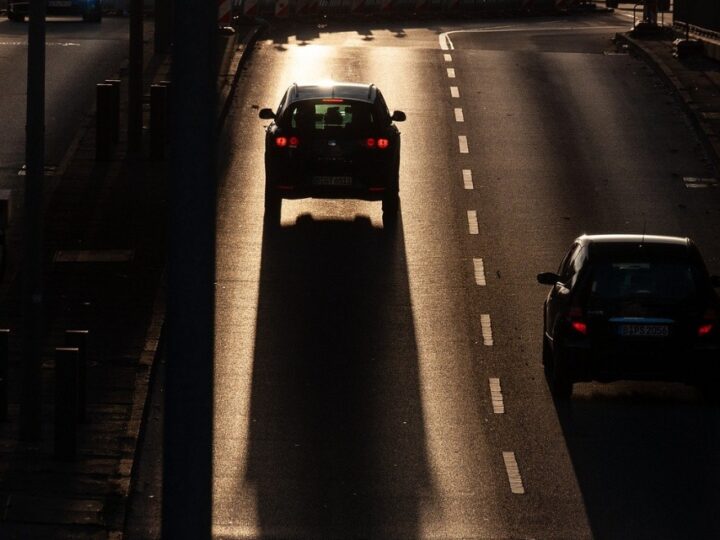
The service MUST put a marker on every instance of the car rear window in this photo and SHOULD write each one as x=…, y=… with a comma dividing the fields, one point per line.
x=330, y=115
x=662, y=280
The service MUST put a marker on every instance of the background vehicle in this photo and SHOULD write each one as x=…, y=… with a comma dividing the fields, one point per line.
x=631, y=307
x=90, y=10
x=335, y=140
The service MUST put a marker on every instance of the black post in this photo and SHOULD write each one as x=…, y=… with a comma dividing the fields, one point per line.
x=188, y=437
x=66, y=398
x=31, y=393
x=78, y=339
x=103, y=122
x=115, y=109
x=135, y=77
x=158, y=120
x=4, y=361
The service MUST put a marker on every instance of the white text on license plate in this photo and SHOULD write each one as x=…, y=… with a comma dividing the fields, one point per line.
x=651, y=330
x=332, y=180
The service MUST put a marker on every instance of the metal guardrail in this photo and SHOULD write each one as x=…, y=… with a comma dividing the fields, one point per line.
x=698, y=31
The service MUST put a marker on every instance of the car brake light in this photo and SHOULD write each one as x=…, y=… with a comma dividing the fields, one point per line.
x=281, y=142
x=705, y=329
x=370, y=143
x=294, y=142
x=383, y=143
x=579, y=326
x=333, y=100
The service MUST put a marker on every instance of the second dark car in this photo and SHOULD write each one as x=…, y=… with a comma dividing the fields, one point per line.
x=335, y=140
x=631, y=307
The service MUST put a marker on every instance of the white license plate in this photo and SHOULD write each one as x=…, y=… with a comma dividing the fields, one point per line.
x=643, y=330
x=60, y=3
x=332, y=180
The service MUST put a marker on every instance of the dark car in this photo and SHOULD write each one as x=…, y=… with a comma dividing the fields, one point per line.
x=631, y=307
x=334, y=141
x=89, y=10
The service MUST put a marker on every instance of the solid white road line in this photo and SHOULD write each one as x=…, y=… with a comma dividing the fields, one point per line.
x=462, y=141
x=479, y=272
x=451, y=73
x=496, y=396
x=454, y=92
x=513, y=472
x=447, y=57
x=472, y=222
x=467, y=179
x=486, y=327
x=459, y=117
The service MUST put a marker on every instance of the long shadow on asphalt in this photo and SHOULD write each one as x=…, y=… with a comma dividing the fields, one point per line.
x=646, y=459
x=337, y=439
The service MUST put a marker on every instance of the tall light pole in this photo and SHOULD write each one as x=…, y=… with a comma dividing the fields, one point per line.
x=32, y=308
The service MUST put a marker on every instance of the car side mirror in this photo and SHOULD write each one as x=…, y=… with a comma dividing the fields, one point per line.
x=266, y=114
x=398, y=116
x=548, y=278
x=715, y=281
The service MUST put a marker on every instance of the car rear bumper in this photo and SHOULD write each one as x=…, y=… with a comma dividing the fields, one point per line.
x=682, y=364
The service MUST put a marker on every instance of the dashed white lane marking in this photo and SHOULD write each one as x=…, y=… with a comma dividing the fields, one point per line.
x=451, y=72
x=447, y=57
x=496, y=396
x=445, y=42
x=513, y=472
x=486, y=327
x=454, y=92
x=459, y=117
x=462, y=141
x=479, y=272
x=472, y=222
x=467, y=179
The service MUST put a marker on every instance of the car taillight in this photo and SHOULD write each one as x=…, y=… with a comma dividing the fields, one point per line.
x=576, y=320
x=294, y=142
x=281, y=142
x=705, y=329
x=377, y=143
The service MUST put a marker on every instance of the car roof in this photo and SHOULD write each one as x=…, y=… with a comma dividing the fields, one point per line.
x=634, y=239
x=332, y=89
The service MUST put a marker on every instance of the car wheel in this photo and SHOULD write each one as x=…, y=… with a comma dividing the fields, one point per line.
x=273, y=207
x=546, y=353
x=391, y=209
x=15, y=17
x=561, y=385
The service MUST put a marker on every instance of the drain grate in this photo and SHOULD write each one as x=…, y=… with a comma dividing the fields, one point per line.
x=692, y=182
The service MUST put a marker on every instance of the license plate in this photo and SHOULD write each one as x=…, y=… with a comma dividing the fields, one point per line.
x=332, y=180
x=644, y=330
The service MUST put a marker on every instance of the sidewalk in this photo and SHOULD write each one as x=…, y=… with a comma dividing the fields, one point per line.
x=104, y=261
x=696, y=81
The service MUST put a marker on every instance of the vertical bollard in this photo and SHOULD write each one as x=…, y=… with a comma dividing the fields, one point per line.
x=103, y=135
x=158, y=120
x=4, y=361
x=66, y=393
x=115, y=109
x=78, y=339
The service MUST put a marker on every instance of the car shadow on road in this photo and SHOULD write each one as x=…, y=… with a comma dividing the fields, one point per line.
x=646, y=459
x=337, y=442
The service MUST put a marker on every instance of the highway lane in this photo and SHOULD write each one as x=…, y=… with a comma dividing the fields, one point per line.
x=383, y=384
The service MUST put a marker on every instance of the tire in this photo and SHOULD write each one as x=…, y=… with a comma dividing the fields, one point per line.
x=391, y=209
x=546, y=353
x=273, y=207
x=559, y=380
x=15, y=17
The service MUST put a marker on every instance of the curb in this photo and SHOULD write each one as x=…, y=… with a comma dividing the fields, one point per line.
x=152, y=349
x=709, y=139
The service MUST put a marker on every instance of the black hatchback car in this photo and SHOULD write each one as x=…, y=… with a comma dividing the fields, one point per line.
x=632, y=307
x=335, y=140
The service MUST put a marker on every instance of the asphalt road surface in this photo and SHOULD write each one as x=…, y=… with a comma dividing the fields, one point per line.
x=388, y=384
x=78, y=55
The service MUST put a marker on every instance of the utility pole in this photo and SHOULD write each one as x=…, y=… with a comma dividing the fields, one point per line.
x=32, y=308
x=135, y=77
x=188, y=437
